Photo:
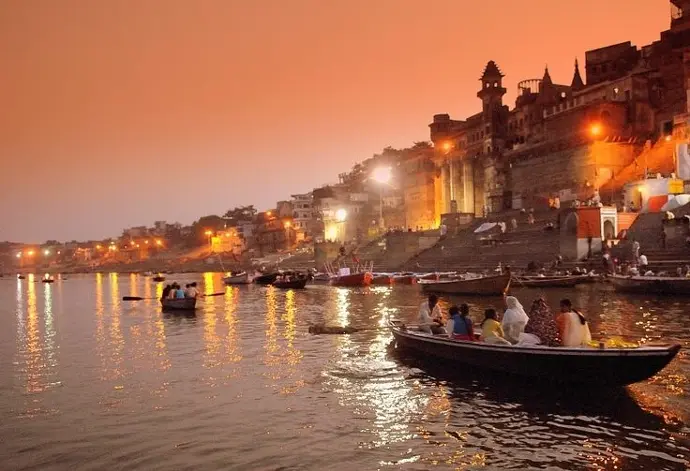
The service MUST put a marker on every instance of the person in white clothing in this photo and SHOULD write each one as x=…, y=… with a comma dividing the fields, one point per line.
x=430, y=317
x=643, y=263
x=191, y=291
x=514, y=320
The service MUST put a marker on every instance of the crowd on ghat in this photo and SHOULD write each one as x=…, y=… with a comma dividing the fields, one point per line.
x=175, y=291
x=569, y=328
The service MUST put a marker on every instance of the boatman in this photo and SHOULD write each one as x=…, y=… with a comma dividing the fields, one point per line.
x=430, y=317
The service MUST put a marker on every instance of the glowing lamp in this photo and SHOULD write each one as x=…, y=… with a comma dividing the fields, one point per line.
x=382, y=174
x=30, y=253
x=19, y=255
x=340, y=215
x=447, y=146
x=208, y=232
x=287, y=224
x=46, y=252
x=595, y=130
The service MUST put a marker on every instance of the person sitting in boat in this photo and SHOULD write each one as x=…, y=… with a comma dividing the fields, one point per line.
x=430, y=317
x=191, y=291
x=173, y=291
x=492, y=332
x=179, y=292
x=542, y=324
x=572, y=326
x=514, y=319
x=166, y=291
x=459, y=326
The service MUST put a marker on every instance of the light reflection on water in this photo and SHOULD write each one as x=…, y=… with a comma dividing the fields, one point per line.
x=88, y=368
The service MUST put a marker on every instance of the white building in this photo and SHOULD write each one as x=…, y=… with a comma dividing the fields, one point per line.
x=303, y=211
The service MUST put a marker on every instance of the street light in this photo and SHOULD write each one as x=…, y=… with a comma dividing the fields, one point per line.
x=383, y=176
x=30, y=253
x=46, y=252
x=595, y=130
x=159, y=242
x=19, y=255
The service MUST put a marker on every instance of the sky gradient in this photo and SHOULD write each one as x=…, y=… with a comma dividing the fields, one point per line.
x=119, y=113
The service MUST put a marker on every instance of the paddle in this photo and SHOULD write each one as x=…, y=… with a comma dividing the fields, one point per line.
x=137, y=298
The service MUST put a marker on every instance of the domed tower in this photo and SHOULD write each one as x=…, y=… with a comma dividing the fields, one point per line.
x=492, y=90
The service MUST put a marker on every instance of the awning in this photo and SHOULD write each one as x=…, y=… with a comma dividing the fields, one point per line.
x=655, y=203
x=676, y=201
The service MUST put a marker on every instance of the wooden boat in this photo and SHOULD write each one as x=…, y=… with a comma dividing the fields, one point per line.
x=480, y=286
x=321, y=278
x=294, y=283
x=266, y=279
x=352, y=280
x=590, y=367
x=381, y=279
x=546, y=281
x=48, y=280
x=21, y=277
x=404, y=279
x=662, y=285
x=158, y=278
x=181, y=304
x=241, y=278
x=429, y=276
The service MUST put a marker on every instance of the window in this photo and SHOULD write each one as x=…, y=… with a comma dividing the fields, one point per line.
x=487, y=85
x=495, y=84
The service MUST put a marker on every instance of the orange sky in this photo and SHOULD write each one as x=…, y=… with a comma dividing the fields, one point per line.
x=119, y=113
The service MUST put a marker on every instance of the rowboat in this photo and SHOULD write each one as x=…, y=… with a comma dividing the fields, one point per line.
x=404, y=279
x=591, y=367
x=479, y=286
x=663, y=285
x=295, y=283
x=179, y=304
x=266, y=279
x=48, y=280
x=429, y=277
x=353, y=280
x=381, y=279
x=21, y=277
x=241, y=278
x=548, y=281
x=158, y=278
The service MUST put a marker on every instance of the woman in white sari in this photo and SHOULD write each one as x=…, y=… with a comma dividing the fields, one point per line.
x=514, y=320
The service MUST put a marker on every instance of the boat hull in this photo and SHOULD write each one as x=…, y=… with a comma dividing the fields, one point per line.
x=158, y=279
x=182, y=304
x=352, y=281
x=381, y=280
x=405, y=280
x=590, y=367
x=547, y=282
x=666, y=286
x=266, y=279
x=292, y=284
x=484, y=286
x=240, y=279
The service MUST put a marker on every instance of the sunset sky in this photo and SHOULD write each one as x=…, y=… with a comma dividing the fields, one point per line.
x=118, y=113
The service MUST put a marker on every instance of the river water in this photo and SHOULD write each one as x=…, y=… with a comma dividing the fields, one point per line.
x=88, y=381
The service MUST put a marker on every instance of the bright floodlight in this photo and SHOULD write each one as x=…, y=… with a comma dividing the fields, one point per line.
x=447, y=146
x=340, y=215
x=46, y=252
x=382, y=174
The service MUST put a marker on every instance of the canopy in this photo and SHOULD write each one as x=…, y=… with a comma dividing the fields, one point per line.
x=485, y=227
x=676, y=201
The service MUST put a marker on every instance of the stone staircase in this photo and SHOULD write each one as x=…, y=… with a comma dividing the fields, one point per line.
x=468, y=251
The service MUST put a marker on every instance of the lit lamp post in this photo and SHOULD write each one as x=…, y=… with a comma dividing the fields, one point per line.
x=383, y=176
x=341, y=216
x=208, y=234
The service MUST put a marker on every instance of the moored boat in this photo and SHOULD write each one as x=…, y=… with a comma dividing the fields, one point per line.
x=21, y=277
x=381, y=279
x=662, y=285
x=479, y=286
x=179, y=304
x=429, y=276
x=404, y=279
x=48, y=280
x=241, y=278
x=593, y=367
x=294, y=283
x=547, y=281
x=352, y=280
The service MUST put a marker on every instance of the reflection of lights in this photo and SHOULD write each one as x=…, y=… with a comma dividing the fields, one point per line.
x=341, y=215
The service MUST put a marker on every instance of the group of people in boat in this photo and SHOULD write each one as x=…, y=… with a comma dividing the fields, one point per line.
x=175, y=291
x=569, y=328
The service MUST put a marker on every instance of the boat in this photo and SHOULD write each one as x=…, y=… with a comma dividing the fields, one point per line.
x=480, y=286
x=158, y=278
x=591, y=367
x=381, y=279
x=547, y=281
x=266, y=279
x=47, y=280
x=321, y=278
x=241, y=278
x=148, y=273
x=179, y=304
x=404, y=279
x=429, y=276
x=21, y=277
x=352, y=280
x=293, y=283
x=663, y=285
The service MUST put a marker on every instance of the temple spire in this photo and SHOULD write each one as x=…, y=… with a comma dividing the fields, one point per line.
x=577, y=83
x=546, y=80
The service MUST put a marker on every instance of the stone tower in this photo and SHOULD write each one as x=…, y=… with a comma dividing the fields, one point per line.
x=492, y=90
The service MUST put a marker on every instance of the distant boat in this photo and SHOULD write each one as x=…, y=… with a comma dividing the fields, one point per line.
x=352, y=280
x=158, y=278
x=148, y=273
x=294, y=283
x=479, y=286
x=21, y=277
x=404, y=279
x=179, y=304
x=241, y=278
x=662, y=285
x=266, y=279
x=48, y=279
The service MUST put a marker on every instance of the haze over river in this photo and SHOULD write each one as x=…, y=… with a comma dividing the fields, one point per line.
x=88, y=381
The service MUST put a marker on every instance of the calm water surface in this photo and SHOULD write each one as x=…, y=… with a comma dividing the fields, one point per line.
x=91, y=382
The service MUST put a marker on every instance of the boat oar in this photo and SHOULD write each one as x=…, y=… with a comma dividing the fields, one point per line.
x=137, y=298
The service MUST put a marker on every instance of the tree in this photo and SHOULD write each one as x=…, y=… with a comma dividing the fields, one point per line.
x=241, y=213
x=421, y=145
